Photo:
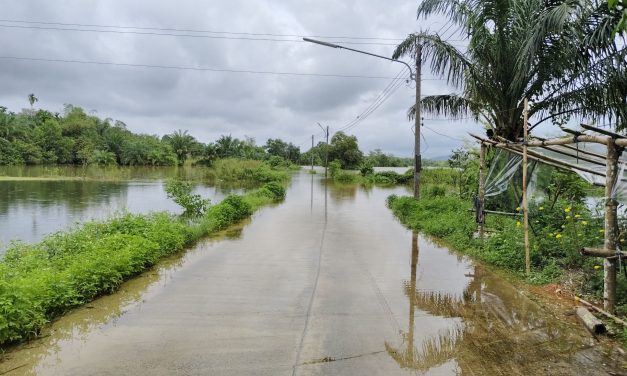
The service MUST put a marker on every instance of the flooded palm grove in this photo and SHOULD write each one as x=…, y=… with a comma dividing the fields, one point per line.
x=327, y=282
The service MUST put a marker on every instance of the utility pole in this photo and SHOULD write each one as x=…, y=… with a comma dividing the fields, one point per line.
x=326, y=158
x=417, y=121
x=412, y=76
x=312, y=155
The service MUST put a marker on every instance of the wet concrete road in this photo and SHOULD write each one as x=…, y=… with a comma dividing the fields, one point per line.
x=306, y=291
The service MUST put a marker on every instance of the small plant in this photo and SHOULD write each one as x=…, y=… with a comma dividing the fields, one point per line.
x=334, y=168
x=366, y=168
x=181, y=193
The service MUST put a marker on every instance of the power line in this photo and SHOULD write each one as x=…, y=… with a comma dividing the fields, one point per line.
x=200, y=31
x=203, y=69
x=442, y=134
x=151, y=33
x=379, y=100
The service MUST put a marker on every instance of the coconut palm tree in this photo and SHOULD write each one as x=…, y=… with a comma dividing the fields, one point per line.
x=517, y=49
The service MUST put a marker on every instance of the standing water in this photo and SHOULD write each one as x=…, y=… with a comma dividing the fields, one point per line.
x=37, y=200
x=326, y=283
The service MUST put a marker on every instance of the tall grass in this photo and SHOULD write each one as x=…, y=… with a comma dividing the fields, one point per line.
x=41, y=281
x=248, y=170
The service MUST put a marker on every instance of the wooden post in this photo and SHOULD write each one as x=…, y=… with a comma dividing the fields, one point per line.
x=482, y=188
x=611, y=228
x=524, y=191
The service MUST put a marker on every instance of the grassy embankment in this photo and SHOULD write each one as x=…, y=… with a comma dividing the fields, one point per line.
x=41, y=281
x=557, y=233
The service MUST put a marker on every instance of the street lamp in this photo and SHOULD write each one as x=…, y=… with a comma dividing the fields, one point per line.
x=412, y=76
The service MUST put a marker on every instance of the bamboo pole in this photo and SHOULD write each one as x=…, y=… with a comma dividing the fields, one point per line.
x=580, y=151
x=598, y=252
x=482, y=189
x=515, y=149
x=583, y=158
x=524, y=191
x=561, y=141
x=616, y=319
x=594, y=325
x=609, y=265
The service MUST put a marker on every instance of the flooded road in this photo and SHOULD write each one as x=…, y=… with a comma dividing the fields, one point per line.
x=318, y=285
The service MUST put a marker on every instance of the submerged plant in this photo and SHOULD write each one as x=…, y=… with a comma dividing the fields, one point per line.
x=181, y=193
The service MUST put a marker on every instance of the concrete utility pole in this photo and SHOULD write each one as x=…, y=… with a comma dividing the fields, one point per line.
x=412, y=76
x=326, y=157
x=417, y=121
x=312, y=155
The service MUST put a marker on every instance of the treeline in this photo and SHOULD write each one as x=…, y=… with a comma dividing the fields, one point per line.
x=36, y=136
x=344, y=149
x=75, y=137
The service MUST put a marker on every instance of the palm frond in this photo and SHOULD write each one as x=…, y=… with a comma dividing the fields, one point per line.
x=449, y=105
x=446, y=60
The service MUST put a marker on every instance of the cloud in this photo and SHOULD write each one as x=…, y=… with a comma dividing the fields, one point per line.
x=209, y=104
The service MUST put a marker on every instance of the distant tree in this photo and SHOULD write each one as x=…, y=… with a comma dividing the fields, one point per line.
x=282, y=149
x=228, y=147
x=182, y=144
x=32, y=99
x=250, y=150
x=344, y=149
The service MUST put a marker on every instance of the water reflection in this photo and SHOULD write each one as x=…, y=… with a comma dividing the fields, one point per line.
x=40, y=200
x=492, y=329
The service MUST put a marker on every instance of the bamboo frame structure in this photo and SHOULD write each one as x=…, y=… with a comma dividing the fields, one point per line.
x=614, y=145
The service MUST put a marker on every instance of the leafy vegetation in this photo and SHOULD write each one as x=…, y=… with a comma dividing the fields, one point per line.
x=41, y=281
x=181, y=193
x=556, y=236
x=568, y=62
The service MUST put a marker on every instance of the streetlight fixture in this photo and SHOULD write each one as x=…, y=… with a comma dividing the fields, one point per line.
x=412, y=76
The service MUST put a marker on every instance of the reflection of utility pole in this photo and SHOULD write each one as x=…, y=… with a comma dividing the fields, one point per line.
x=412, y=295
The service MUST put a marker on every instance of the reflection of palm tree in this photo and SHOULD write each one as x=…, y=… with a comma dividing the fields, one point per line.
x=485, y=332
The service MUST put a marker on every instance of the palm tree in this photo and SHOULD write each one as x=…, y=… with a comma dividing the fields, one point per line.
x=32, y=99
x=510, y=58
x=181, y=143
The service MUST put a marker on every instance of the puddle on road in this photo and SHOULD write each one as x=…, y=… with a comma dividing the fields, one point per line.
x=494, y=329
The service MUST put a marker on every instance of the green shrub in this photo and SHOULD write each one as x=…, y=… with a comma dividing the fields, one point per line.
x=435, y=191
x=67, y=269
x=181, y=193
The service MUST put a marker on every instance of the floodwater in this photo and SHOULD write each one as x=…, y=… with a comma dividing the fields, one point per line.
x=326, y=283
x=35, y=202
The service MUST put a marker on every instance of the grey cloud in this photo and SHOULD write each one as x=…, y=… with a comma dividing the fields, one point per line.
x=209, y=104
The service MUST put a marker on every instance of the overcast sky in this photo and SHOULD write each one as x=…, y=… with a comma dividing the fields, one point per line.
x=212, y=103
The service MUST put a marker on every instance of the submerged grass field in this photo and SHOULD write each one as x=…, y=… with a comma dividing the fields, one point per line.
x=39, y=282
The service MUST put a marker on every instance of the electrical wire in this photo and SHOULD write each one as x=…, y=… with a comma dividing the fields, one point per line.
x=152, y=33
x=379, y=100
x=203, y=69
x=200, y=31
x=442, y=134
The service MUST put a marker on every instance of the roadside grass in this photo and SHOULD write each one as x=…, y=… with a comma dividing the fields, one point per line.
x=556, y=236
x=39, y=282
x=441, y=176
